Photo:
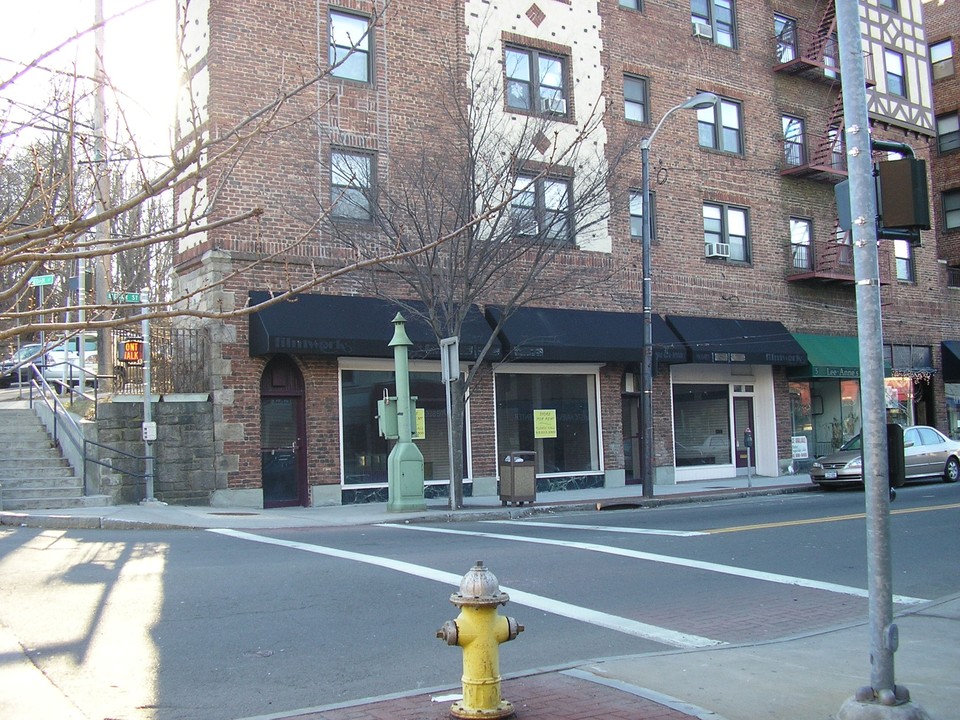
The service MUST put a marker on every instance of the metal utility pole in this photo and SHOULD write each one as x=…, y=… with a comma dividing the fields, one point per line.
x=697, y=102
x=102, y=168
x=149, y=426
x=882, y=696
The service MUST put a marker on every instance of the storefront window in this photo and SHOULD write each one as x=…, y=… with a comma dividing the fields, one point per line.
x=701, y=429
x=899, y=400
x=953, y=409
x=803, y=442
x=553, y=415
x=364, y=451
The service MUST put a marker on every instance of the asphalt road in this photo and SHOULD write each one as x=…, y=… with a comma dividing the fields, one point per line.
x=164, y=625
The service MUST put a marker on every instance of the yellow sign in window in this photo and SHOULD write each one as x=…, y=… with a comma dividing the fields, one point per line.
x=545, y=423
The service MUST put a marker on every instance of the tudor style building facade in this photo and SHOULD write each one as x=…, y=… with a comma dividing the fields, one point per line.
x=753, y=284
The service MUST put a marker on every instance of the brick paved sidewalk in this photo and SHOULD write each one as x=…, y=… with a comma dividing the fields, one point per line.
x=553, y=695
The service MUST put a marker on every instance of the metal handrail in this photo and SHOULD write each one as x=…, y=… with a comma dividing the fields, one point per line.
x=74, y=434
x=51, y=399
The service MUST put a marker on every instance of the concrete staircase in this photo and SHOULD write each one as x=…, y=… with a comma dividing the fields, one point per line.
x=33, y=473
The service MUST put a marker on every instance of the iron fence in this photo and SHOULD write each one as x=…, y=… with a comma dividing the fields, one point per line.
x=177, y=360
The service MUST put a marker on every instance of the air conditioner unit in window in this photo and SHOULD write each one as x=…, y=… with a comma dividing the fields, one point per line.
x=702, y=30
x=553, y=105
x=716, y=250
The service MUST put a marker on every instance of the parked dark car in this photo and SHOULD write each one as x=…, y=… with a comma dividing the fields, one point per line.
x=16, y=367
x=928, y=453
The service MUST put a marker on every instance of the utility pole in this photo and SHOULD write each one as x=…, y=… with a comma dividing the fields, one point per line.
x=104, y=350
x=882, y=698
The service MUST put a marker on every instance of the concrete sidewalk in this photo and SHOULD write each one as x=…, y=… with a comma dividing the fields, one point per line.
x=161, y=515
x=803, y=678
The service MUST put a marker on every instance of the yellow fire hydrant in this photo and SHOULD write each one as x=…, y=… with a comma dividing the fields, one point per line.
x=479, y=630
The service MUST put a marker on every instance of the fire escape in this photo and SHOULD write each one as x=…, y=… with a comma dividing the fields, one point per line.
x=819, y=154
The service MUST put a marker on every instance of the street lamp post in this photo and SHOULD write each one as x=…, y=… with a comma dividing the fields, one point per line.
x=697, y=102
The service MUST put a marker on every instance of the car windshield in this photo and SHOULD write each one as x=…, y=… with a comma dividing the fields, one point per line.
x=851, y=444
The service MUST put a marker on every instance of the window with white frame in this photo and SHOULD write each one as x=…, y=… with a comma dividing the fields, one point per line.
x=365, y=452
x=896, y=79
x=636, y=215
x=801, y=230
x=635, y=98
x=948, y=132
x=794, y=141
x=565, y=404
x=726, y=226
x=350, y=43
x=536, y=81
x=351, y=185
x=941, y=59
x=903, y=252
x=541, y=207
x=714, y=19
x=951, y=209
x=719, y=126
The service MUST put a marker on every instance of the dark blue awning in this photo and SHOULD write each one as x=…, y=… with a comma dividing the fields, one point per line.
x=559, y=335
x=350, y=326
x=723, y=340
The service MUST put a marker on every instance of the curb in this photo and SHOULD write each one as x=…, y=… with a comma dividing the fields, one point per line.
x=62, y=521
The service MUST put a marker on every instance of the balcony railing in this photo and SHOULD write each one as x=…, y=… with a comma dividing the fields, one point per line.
x=818, y=157
x=953, y=277
x=829, y=261
x=812, y=55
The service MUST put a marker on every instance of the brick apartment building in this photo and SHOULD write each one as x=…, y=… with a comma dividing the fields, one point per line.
x=942, y=23
x=752, y=283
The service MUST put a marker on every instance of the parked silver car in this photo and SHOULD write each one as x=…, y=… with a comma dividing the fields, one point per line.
x=16, y=368
x=928, y=453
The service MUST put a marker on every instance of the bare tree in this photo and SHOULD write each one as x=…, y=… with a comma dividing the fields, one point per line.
x=51, y=206
x=515, y=194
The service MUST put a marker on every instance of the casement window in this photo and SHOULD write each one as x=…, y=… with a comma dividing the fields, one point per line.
x=896, y=79
x=794, y=141
x=536, y=81
x=725, y=232
x=351, y=185
x=941, y=59
x=951, y=209
x=350, y=44
x=632, y=5
x=714, y=20
x=720, y=126
x=893, y=5
x=785, y=29
x=541, y=207
x=948, y=132
x=635, y=98
x=636, y=215
x=903, y=252
x=801, y=229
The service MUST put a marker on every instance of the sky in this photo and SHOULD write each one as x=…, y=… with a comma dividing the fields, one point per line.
x=139, y=53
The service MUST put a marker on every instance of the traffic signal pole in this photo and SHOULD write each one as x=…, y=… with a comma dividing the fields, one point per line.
x=882, y=698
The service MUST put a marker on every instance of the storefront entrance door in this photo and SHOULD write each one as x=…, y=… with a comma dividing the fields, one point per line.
x=743, y=419
x=282, y=423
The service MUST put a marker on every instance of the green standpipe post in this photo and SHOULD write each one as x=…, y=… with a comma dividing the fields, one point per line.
x=405, y=463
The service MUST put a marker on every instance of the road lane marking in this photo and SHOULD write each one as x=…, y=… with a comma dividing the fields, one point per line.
x=831, y=518
x=601, y=528
x=670, y=560
x=661, y=635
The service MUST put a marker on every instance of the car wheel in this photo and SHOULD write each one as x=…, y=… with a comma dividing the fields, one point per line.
x=951, y=473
